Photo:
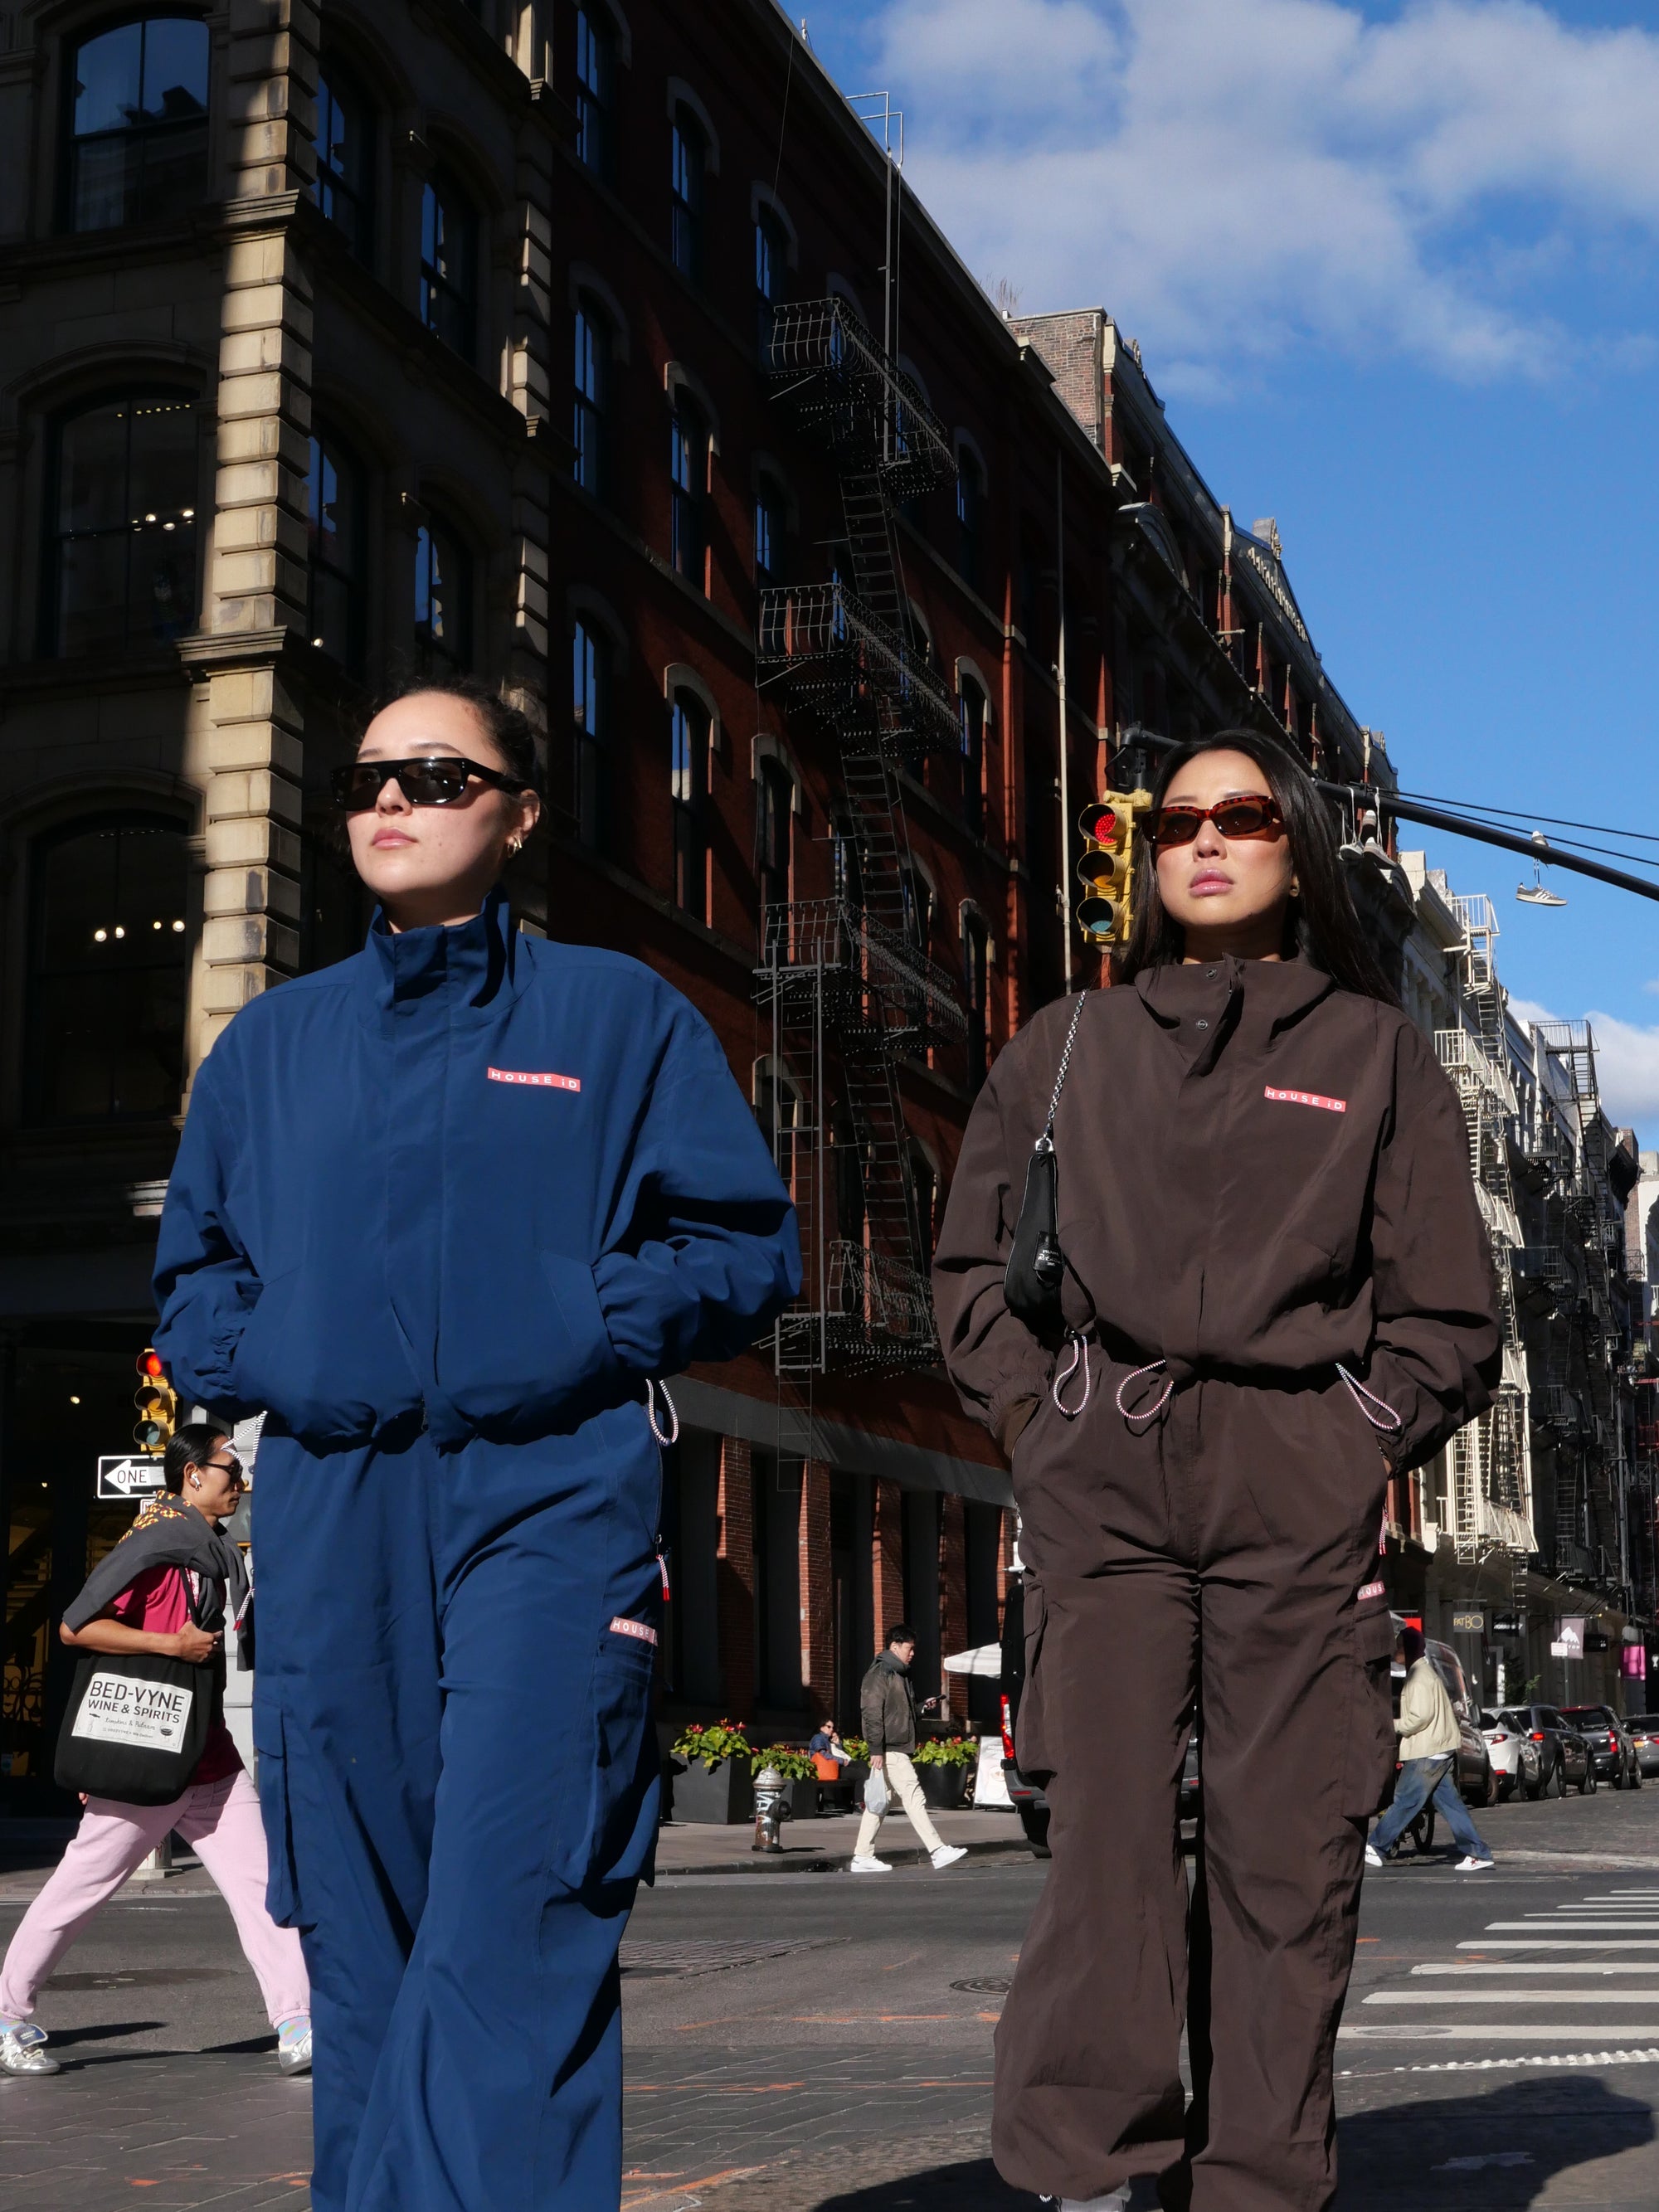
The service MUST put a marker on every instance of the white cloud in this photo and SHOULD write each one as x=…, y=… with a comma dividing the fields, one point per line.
x=1234, y=178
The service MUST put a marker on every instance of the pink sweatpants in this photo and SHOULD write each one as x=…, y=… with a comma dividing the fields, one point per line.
x=221, y=1820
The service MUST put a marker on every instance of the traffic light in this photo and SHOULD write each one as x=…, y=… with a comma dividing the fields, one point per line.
x=1110, y=830
x=157, y=1402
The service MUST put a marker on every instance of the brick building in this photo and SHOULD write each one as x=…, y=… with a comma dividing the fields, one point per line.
x=604, y=354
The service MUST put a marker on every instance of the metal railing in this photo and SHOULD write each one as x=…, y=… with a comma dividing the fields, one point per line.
x=846, y=387
x=860, y=957
x=824, y=638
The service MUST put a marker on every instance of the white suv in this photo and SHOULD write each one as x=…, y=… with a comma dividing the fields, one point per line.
x=1513, y=1756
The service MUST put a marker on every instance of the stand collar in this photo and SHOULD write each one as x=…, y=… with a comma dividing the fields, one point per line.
x=1272, y=993
x=474, y=961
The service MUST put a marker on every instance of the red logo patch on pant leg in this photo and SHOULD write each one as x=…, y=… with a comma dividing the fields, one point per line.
x=1307, y=1098
x=642, y=1629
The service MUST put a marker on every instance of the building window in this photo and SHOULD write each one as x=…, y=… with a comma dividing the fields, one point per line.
x=596, y=90
x=688, y=487
x=125, y=525
x=769, y=526
x=976, y=963
x=689, y=161
x=334, y=518
x=924, y=1197
x=774, y=799
x=107, y=970
x=917, y=897
x=689, y=790
x=593, y=398
x=971, y=516
x=449, y=255
x=591, y=714
x=344, y=187
x=771, y=274
x=443, y=602
x=846, y=860
x=971, y=709
x=139, y=128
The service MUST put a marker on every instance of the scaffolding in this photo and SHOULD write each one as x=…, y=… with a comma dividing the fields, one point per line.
x=847, y=981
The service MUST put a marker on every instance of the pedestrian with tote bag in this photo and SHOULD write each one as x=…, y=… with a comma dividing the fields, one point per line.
x=145, y=1744
x=448, y=1212
x=1212, y=1272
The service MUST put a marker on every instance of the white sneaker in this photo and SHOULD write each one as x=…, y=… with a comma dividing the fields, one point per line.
x=23, y=2051
x=948, y=1854
x=1374, y=1857
x=1474, y=1866
x=868, y=1865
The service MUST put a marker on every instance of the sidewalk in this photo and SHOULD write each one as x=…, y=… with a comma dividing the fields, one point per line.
x=825, y=1845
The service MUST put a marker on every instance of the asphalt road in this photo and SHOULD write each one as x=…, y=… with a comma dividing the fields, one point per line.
x=821, y=2043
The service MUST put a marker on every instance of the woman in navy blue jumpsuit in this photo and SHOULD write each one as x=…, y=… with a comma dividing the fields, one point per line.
x=442, y=1211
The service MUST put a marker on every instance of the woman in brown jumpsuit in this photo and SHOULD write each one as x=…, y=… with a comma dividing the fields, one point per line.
x=1274, y=1265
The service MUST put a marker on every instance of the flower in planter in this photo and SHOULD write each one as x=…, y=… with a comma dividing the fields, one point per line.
x=713, y=1746
x=786, y=1759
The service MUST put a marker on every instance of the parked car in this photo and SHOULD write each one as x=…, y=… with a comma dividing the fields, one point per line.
x=1514, y=1755
x=1609, y=1738
x=1564, y=1757
x=1644, y=1739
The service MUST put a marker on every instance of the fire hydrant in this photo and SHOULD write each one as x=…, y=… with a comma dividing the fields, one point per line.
x=771, y=1809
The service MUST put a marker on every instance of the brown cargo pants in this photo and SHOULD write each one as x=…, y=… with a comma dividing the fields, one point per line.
x=1216, y=1560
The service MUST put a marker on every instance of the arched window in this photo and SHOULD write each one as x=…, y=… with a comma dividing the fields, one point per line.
x=335, y=548
x=593, y=395
x=108, y=963
x=596, y=90
x=449, y=266
x=971, y=709
x=771, y=521
x=138, y=124
x=688, y=785
x=775, y=801
x=970, y=515
x=976, y=966
x=443, y=602
x=689, y=157
x=344, y=190
x=771, y=276
x=124, y=528
x=688, y=487
x=591, y=713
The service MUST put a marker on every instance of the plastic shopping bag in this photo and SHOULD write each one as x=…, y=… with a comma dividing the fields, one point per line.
x=875, y=1793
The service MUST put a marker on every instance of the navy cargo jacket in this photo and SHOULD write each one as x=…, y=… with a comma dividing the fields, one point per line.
x=466, y=1181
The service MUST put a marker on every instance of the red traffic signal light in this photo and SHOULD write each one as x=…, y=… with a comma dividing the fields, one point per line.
x=156, y=1402
x=1109, y=827
x=149, y=1367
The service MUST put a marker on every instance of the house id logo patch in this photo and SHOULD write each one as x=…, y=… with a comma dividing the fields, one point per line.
x=537, y=1079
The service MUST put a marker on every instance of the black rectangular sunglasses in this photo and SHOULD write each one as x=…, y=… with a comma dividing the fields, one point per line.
x=439, y=780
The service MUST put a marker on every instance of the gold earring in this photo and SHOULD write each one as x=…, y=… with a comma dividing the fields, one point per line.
x=512, y=845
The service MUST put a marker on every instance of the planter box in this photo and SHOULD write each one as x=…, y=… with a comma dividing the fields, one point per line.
x=942, y=1787
x=723, y=1797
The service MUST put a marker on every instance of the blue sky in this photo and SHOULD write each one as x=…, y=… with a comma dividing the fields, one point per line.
x=1395, y=271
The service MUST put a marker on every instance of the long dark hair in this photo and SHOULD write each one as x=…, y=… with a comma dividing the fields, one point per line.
x=1320, y=922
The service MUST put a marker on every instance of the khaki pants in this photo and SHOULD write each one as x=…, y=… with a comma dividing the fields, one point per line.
x=901, y=1784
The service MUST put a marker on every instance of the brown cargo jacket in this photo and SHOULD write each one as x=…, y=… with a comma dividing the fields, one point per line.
x=1259, y=1176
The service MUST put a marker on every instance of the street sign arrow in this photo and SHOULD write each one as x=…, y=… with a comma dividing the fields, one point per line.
x=124, y=1475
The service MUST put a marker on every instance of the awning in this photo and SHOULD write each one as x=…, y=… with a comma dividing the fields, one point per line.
x=984, y=1659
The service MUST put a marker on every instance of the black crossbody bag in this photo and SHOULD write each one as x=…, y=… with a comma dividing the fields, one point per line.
x=1036, y=1273
x=137, y=1724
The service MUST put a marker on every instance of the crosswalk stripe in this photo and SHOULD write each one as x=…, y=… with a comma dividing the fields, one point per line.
x=1566, y=1943
x=1513, y=1997
x=1443, y=2031
x=1546, y=1966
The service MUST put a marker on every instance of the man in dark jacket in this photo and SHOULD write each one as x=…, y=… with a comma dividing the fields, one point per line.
x=887, y=1706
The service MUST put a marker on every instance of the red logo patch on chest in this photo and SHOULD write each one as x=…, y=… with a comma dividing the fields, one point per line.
x=1307, y=1098
x=535, y=1077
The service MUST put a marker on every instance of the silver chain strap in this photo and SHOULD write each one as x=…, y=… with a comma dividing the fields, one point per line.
x=1065, y=1062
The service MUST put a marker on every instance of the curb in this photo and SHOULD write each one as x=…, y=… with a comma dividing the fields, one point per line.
x=840, y=1863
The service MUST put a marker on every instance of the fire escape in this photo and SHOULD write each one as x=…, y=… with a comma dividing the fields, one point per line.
x=1491, y=1458
x=846, y=980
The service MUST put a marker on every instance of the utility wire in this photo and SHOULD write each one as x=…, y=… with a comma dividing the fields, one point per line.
x=1511, y=814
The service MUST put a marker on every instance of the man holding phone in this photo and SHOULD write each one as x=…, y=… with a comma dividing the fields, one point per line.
x=888, y=1709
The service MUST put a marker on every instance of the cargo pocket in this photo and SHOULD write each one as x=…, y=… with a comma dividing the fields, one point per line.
x=1031, y=1750
x=610, y=1834
x=272, y=1778
x=1371, y=1751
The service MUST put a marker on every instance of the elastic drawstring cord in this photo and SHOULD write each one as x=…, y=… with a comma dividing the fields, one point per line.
x=1145, y=1412
x=1079, y=1358
x=1365, y=1399
x=672, y=1436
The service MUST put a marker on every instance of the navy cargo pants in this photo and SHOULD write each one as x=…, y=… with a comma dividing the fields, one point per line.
x=459, y=1776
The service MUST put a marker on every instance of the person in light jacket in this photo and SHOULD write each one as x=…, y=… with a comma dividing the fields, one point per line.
x=1278, y=1294
x=447, y=1211
x=1430, y=1739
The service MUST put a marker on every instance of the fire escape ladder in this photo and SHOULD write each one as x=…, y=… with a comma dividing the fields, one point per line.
x=848, y=980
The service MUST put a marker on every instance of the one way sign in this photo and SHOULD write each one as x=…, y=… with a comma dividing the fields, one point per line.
x=127, y=1477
